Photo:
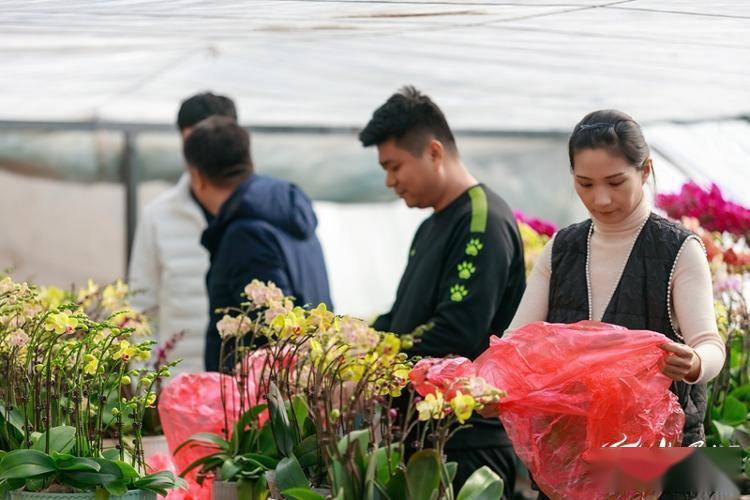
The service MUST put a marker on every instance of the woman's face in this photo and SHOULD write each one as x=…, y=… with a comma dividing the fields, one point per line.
x=608, y=185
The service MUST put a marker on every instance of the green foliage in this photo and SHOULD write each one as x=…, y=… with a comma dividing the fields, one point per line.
x=36, y=470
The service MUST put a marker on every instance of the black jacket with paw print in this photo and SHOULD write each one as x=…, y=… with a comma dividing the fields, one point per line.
x=465, y=276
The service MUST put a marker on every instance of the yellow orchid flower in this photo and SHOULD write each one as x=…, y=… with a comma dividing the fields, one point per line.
x=316, y=350
x=114, y=294
x=463, y=406
x=321, y=317
x=91, y=366
x=51, y=296
x=431, y=407
x=353, y=372
x=85, y=294
x=126, y=351
x=390, y=345
x=61, y=323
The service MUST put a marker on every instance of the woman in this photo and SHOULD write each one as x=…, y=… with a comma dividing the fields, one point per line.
x=628, y=266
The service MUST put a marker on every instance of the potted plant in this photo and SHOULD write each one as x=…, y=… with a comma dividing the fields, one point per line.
x=327, y=383
x=60, y=368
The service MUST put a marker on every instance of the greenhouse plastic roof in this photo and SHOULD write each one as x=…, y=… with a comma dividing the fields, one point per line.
x=516, y=66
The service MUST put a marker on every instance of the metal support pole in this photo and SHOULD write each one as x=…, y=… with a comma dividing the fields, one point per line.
x=129, y=177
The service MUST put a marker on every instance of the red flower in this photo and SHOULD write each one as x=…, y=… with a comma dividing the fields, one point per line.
x=708, y=206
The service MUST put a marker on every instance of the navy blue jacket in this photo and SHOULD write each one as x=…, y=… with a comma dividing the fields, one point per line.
x=266, y=231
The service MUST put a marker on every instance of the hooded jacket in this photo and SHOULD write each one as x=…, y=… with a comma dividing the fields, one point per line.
x=265, y=231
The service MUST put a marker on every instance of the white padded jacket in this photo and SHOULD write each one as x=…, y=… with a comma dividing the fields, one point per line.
x=169, y=265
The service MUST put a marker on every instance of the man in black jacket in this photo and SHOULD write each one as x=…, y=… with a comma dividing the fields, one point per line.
x=465, y=274
x=262, y=228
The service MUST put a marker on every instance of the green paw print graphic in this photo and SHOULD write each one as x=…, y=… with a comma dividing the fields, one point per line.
x=458, y=292
x=473, y=247
x=465, y=270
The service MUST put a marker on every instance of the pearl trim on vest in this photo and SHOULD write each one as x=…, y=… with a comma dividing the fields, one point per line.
x=671, y=278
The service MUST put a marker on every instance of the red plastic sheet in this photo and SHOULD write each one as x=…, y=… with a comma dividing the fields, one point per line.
x=573, y=389
x=189, y=404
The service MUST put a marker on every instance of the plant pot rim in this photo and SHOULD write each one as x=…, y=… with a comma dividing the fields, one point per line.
x=52, y=494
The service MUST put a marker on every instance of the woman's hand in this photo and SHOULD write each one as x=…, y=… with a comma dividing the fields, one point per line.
x=682, y=363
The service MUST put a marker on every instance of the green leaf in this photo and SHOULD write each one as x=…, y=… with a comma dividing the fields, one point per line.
x=449, y=472
x=116, y=488
x=61, y=439
x=307, y=452
x=128, y=472
x=36, y=484
x=269, y=463
x=282, y=431
x=209, y=462
x=160, y=482
x=396, y=487
x=483, y=484
x=289, y=474
x=379, y=464
x=725, y=431
x=78, y=464
x=229, y=470
x=742, y=393
x=733, y=411
x=24, y=464
x=360, y=437
x=423, y=474
x=205, y=439
x=301, y=494
x=266, y=442
x=245, y=430
x=299, y=411
x=109, y=477
x=12, y=422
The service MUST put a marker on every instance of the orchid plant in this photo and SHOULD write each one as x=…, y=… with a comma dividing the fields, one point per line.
x=724, y=228
x=328, y=383
x=62, y=361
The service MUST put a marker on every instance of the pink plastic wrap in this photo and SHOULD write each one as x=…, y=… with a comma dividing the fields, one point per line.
x=573, y=389
x=163, y=461
x=189, y=404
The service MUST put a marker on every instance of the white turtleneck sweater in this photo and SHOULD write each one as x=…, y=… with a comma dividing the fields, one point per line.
x=692, y=291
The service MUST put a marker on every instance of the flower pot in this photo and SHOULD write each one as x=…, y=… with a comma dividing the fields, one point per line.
x=33, y=495
x=227, y=490
x=83, y=495
x=224, y=490
x=135, y=495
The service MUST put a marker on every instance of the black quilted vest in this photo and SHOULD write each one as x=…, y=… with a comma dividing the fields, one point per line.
x=640, y=302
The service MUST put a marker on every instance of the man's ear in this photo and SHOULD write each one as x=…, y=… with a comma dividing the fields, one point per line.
x=436, y=152
x=197, y=179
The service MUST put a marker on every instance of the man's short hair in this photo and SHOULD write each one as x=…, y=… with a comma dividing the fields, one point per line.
x=412, y=119
x=197, y=108
x=220, y=149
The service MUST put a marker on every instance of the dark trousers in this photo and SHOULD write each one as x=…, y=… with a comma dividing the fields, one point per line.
x=501, y=459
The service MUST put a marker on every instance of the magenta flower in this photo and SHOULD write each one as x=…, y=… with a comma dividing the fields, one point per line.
x=708, y=206
x=540, y=226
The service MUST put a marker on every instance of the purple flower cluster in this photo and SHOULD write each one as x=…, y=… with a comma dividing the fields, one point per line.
x=540, y=226
x=708, y=206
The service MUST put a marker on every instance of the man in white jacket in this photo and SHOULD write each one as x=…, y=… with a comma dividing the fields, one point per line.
x=168, y=264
